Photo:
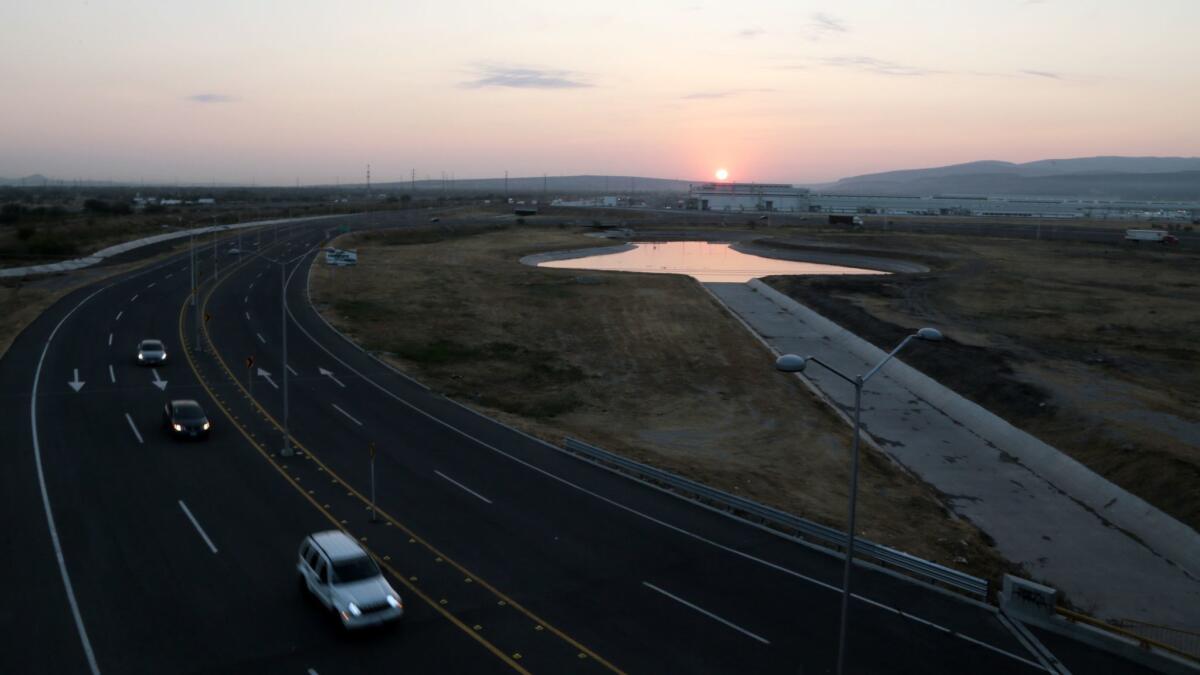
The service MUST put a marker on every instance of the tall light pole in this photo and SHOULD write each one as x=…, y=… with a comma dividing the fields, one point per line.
x=287, y=439
x=790, y=363
x=195, y=307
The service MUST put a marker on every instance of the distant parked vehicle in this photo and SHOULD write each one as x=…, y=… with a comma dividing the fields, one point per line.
x=845, y=220
x=1155, y=236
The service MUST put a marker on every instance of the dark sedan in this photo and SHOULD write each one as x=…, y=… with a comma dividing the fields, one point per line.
x=186, y=419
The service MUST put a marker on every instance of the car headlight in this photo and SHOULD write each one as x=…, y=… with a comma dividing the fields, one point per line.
x=164, y=356
x=140, y=357
x=394, y=601
x=354, y=609
x=177, y=427
x=206, y=425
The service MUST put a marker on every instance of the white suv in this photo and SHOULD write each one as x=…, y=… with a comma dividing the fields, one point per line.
x=341, y=575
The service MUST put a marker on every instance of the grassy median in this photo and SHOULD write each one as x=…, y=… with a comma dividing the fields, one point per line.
x=650, y=366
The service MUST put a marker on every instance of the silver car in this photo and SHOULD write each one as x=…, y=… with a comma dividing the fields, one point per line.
x=151, y=353
x=344, y=578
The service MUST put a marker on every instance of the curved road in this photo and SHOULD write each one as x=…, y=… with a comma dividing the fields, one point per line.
x=128, y=552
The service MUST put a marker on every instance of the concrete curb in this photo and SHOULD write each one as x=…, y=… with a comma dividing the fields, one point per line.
x=830, y=258
x=118, y=249
x=535, y=259
x=1158, y=531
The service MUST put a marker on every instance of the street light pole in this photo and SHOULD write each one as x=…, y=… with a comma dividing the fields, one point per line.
x=195, y=307
x=790, y=363
x=287, y=440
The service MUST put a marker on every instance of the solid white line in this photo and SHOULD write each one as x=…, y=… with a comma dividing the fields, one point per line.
x=463, y=486
x=134, y=427
x=707, y=613
x=111, y=375
x=260, y=338
x=293, y=371
x=41, y=474
x=199, y=529
x=1001, y=651
x=335, y=407
x=110, y=339
x=119, y=315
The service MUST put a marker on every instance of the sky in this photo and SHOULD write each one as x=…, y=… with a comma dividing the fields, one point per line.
x=784, y=91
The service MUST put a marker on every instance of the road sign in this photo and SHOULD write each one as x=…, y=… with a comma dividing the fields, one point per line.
x=249, y=361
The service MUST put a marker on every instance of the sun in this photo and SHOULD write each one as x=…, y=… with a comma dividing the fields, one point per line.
x=722, y=174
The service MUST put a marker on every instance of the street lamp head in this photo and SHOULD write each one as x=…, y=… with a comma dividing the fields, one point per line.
x=790, y=363
x=930, y=334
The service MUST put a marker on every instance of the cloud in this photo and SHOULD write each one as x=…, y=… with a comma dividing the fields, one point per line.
x=727, y=93
x=1044, y=73
x=750, y=33
x=492, y=75
x=878, y=66
x=822, y=25
x=211, y=98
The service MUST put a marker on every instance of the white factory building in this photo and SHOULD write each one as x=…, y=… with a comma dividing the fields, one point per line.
x=747, y=197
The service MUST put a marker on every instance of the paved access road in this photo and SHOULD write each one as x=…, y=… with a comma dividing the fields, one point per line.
x=128, y=552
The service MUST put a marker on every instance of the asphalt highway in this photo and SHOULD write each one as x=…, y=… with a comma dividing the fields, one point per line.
x=130, y=552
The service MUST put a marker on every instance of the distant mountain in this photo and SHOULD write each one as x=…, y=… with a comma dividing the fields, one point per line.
x=1135, y=178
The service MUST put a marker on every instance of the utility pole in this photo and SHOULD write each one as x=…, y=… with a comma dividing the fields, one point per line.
x=368, y=180
x=506, y=185
x=414, y=184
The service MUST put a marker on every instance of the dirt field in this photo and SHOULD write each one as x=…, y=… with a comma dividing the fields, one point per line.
x=1090, y=347
x=646, y=365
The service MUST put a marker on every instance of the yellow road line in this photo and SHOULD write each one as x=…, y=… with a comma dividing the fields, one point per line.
x=516, y=605
x=391, y=570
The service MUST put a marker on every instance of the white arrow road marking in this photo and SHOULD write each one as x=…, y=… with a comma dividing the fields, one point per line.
x=335, y=407
x=196, y=523
x=710, y=615
x=328, y=374
x=119, y=315
x=159, y=382
x=134, y=427
x=464, y=487
x=267, y=376
x=261, y=338
x=76, y=384
x=111, y=375
x=110, y=339
x=293, y=371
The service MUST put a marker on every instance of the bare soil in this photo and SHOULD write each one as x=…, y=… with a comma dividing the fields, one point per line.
x=650, y=366
x=1091, y=347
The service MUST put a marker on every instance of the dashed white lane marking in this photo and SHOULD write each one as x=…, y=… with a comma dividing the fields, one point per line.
x=183, y=269
x=111, y=375
x=335, y=407
x=707, y=613
x=110, y=339
x=169, y=275
x=134, y=427
x=134, y=297
x=464, y=487
x=247, y=316
x=293, y=371
x=119, y=315
x=151, y=284
x=312, y=672
x=199, y=529
x=245, y=299
x=251, y=286
x=261, y=338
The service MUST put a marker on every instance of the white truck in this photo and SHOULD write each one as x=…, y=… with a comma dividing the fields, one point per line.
x=1155, y=236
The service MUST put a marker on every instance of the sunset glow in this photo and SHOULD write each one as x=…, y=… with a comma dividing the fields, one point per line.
x=722, y=174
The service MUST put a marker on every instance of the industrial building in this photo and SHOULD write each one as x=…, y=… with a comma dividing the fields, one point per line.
x=747, y=197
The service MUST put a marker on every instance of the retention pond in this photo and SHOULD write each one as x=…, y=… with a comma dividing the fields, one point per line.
x=706, y=261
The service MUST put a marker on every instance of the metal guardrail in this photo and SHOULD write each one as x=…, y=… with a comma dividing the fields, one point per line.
x=1175, y=640
x=781, y=520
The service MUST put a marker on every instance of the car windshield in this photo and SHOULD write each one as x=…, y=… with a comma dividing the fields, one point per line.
x=152, y=345
x=189, y=412
x=357, y=569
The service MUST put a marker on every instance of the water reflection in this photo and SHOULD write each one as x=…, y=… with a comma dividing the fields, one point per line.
x=703, y=260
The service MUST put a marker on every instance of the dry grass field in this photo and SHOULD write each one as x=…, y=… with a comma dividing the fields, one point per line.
x=646, y=365
x=1091, y=347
